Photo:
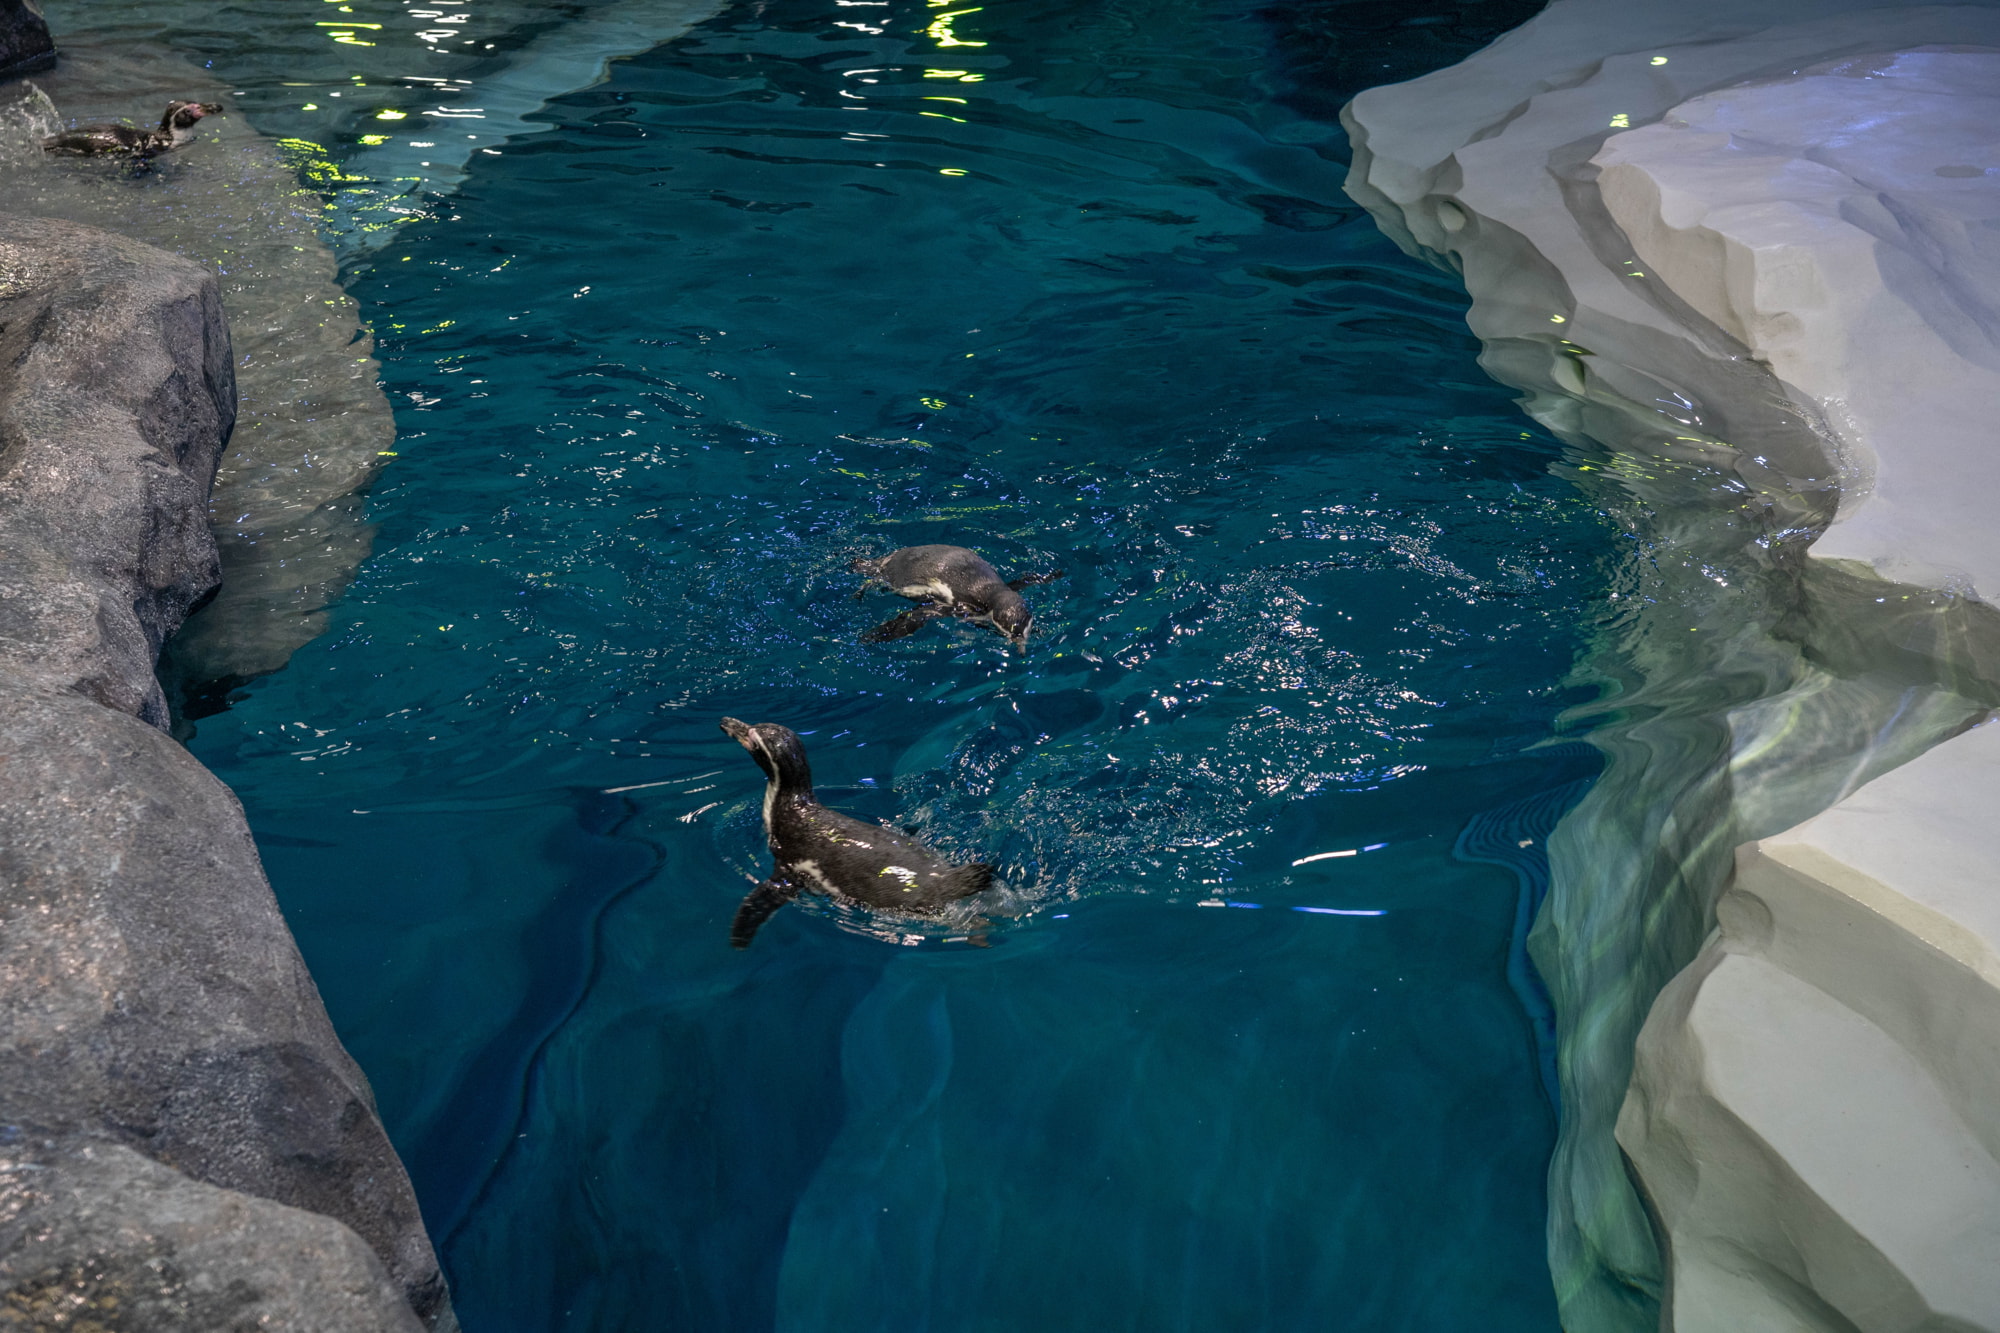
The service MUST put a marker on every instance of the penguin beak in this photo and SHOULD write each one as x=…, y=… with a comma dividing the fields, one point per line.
x=738, y=731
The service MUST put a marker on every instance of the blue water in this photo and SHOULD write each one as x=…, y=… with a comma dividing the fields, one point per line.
x=1087, y=296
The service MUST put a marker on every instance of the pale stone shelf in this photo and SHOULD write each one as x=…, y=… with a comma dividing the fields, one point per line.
x=1816, y=1102
x=1764, y=242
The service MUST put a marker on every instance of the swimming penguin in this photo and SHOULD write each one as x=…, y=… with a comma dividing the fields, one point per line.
x=176, y=128
x=949, y=581
x=817, y=850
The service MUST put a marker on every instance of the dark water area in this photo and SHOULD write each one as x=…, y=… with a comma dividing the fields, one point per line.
x=1254, y=1045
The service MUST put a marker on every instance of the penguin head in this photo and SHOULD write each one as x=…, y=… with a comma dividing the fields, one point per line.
x=183, y=115
x=777, y=750
x=1014, y=619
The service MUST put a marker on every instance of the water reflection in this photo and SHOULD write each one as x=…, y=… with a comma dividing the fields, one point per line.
x=313, y=428
x=1743, y=689
x=1321, y=593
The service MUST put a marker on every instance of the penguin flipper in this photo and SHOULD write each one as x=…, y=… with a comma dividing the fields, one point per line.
x=765, y=899
x=1029, y=580
x=902, y=626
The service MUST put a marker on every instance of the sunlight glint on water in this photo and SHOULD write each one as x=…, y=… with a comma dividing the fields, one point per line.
x=782, y=293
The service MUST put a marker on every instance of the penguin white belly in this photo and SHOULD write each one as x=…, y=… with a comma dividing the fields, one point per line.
x=811, y=870
x=934, y=588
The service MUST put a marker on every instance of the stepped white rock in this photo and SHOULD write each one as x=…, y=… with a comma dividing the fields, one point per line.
x=1816, y=1103
x=1844, y=225
x=1765, y=243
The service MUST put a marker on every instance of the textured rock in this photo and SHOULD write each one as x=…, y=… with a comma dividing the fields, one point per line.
x=97, y=1237
x=1815, y=1108
x=1741, y=258
x=150, y=994
x=25, y=45
x=1812, y=1177
x=1812, y=1106
x=1839, y=222
x=312, y=426
x=115, y=397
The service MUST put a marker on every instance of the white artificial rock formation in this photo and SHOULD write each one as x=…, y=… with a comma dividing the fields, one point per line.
x=1844, y=225
x=1816, y=1101
x=1762, y=242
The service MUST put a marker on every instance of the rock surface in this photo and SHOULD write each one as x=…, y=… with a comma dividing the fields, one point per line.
x=312, y=425
x=116, y=396
x=25, y=44
x=96, y=1237
x=259, y=203
x=1813, y=1104
x=1841, y=224
x=1745, y=260
x=150, y=994
x=1815, y=1107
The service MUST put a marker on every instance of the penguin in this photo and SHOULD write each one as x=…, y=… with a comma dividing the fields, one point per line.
x=949, y=581
x=817, y=850
x=176, y=129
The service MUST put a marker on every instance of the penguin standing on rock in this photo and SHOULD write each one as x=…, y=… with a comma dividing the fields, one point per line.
x=176, y=129
x=817, y=850
x=949, y=581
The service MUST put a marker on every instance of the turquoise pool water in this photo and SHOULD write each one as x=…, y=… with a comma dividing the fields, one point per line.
x=1075, y=285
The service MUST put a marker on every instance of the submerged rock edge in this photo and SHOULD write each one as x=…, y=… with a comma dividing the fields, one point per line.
x=160, y=1038
x=1851, y=976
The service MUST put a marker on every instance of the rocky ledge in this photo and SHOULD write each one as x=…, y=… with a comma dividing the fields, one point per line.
x=184, y=1144
x=25, y=44
x=1746, y=259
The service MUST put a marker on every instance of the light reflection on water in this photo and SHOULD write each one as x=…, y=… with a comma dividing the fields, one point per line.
x=661, y=373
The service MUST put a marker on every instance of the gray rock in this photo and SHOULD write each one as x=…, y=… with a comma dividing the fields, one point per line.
x=115, y=398
x=25, y=44
x=150, y=993
x=312, y=425
x=97, y=1237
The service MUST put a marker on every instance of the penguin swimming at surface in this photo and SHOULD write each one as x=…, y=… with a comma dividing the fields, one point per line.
x=949, y=581
x=176, y=129
x=817, y=850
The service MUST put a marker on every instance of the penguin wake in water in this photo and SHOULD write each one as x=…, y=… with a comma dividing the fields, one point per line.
x=817, y=850
x=949, y=581
x=176, y=129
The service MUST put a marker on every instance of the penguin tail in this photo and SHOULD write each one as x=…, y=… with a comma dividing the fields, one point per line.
x=967, y=880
